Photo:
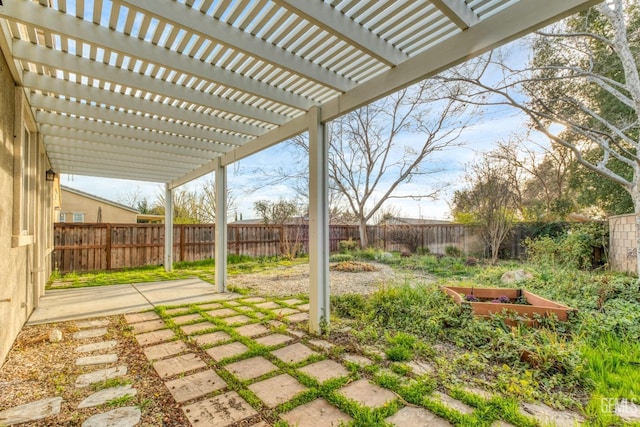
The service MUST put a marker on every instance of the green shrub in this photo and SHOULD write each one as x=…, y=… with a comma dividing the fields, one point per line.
x=453, y=251
x=369, y=254
x=348, y=246
x=340, y=257
x=399, y=353
x=349, y=305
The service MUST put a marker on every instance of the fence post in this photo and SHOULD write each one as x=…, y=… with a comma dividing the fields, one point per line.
x=181, y=242
x=108, y=247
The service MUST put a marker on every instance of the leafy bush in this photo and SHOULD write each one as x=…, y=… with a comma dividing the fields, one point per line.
x=453, y=251
x=348, y=246
x=353, y=267
x=369, y=254
x=399, y=353
x=349, y=305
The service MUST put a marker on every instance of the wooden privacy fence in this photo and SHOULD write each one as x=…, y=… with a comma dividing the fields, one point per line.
x=87, y=247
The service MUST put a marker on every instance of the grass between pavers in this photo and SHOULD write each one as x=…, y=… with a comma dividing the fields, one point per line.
x=410, y=390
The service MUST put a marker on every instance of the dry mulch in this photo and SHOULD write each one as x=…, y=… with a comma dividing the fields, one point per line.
x=37, y=369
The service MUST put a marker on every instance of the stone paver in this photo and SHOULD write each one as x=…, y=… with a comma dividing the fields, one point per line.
x=140, y=317
x=367, y=394
x=420, y=367
x=196, y=327
x=249, y=369
x=292, y=301
x=173, y=311
x=227, y=350
x=89, y=333
x=410, y=416
x=212, y=338
x=273, y=340
x=181, y=320
x=252, y=330
x=501, y=423
x=325, y=345
x=303, y=307
x=298, y=317
x=155, y=337
x=236, y=320
x=96, y=346
x=286, y=311
x=126, y=416
x=91, y=324
x=219, y=411
x=546, y=415
x=453, y=403
x=357, y=359
x=222, y=312
x=324, y=370
x=261, y=424
x=480, y=392
x=253, y=299
x=318, y=413
x=178, y=365
x=195, y=385
x=244, y=308
x=148, y=326
x=210, y=306
x=294, y=332
x=103, y=396
x=277, y=390
x=99, y=359
x=31, y=411
x=164, y=350
x=87, y=379
x=232, y=303
x=293, y=353
x=268, y=305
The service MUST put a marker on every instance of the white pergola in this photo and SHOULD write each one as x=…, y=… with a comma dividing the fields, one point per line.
x=169, y=90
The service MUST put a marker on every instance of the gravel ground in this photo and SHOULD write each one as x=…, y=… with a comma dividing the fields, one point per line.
x=294, y=280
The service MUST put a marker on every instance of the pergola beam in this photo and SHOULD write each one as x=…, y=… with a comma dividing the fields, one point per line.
x=60, y=23
x=73, y=168
x=67, y=89
x=210, y=28
x=126, y=118
x=122, y=77
x=458, y=11
x=344, y=28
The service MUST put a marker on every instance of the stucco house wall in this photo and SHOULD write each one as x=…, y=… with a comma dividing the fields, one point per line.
x=623, y=247
x=26, y=212
x=79, y=202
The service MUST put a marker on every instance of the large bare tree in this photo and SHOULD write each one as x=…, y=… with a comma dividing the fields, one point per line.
x=584, y=76
x=378, y=148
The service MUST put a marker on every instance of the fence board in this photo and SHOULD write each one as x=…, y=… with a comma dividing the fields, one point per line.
x=86, y=247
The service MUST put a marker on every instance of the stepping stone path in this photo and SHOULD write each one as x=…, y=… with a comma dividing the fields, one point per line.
x=367, y=394
x=318, y=413
x=119, y=417
x=89, y=333
x=85, y=380
x=100, y=359
x=545, y=415
x=411, y=416
x=31, y=411
x=277, y=390
x=103, y=396
x=452, y=403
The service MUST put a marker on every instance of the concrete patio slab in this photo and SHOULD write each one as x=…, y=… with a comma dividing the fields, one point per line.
x=410, y=416
x=178, y=365
x=141, y=317
x=297, y=318
x=165, y=350
x=318, y=413
x=222, y=312
x=239, y=319
x=453, y=403
x=181, y=320
x=357, y=359
x=277, y=390
x=195, y=385
x=220, y=411
x=212, y=338
x=268, y=305
x=196, y=327
x=227, y=350
x=367, y=394
x=177, y=310
x=292, y=301
x=252, y=330
x=293, y=353
x=546, y=415
x=324, y=370
x=84, y=303
x=251, y=368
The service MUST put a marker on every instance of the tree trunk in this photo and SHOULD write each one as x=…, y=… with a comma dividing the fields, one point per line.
x=364, y=239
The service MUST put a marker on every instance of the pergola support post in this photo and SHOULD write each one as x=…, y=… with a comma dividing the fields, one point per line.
x=168, y=229
x=318, y=223
x=221, y=227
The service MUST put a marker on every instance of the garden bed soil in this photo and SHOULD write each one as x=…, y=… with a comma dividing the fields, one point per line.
x=535, y=304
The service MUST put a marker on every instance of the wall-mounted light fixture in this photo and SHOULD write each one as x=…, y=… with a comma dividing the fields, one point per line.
x=50, y=175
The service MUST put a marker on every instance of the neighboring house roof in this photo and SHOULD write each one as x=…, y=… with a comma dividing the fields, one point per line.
x=98, y=199
x=414, y=221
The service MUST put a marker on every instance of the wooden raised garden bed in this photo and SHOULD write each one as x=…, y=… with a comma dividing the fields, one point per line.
x=487, y=301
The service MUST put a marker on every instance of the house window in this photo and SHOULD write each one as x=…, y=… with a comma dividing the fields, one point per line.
x=78, y=217
x=62, y=217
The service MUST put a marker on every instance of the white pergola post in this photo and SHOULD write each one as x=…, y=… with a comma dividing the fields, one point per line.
x=168, y=228
x=318, y=223
x=221, y=227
